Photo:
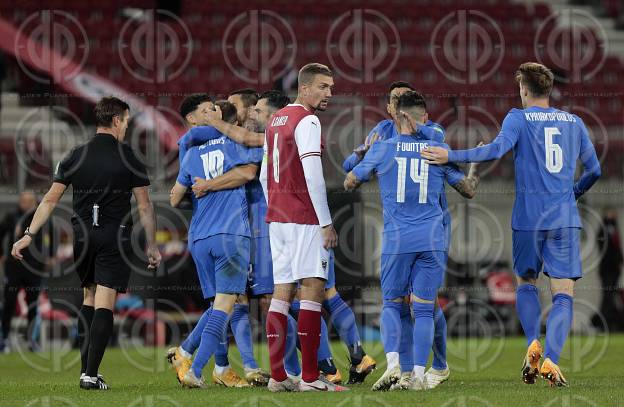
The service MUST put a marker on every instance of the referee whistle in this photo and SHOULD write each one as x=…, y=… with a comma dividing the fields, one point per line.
x=96, y=214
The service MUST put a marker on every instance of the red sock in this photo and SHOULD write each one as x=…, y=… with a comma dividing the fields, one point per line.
x=309, y=331
x=276, y=326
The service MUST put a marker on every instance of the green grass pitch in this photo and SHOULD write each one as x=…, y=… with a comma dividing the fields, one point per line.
x=484, y=372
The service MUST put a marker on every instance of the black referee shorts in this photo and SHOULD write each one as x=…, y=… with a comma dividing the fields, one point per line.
x=102, y=255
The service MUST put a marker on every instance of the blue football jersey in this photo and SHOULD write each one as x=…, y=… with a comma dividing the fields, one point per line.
x=546, y=144
x=194, y=137
x=223, y=211
x=410, y=191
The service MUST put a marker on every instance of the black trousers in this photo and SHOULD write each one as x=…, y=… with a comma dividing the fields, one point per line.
x=18, y=276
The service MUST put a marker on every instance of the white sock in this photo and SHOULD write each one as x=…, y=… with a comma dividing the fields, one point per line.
x=419, y=372
x=392, y=358
x=185, y=353
x=221, y=369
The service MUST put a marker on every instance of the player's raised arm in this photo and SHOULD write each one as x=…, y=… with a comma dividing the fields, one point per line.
x=505, y=141
x=237, y=176
x=239, y=134
x=364, y=170
x=467, y=186
x=591, y=165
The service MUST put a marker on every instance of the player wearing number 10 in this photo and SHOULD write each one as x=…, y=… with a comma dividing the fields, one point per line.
x=547, y=143
x=220, y=237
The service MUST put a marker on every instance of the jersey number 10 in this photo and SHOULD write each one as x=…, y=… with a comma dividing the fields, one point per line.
x=213, y=164
x=419, y=173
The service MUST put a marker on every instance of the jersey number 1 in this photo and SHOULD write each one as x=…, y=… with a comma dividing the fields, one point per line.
x=554, y=153
x=213, y=164
x=275, y=159
x=419, y=173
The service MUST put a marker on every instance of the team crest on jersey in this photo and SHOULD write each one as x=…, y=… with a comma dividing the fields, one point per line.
x=324, y=264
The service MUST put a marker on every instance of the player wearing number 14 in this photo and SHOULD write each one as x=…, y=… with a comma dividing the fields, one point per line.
x=547, y=143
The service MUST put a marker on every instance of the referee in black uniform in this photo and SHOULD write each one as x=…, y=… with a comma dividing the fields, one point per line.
x=104, y=173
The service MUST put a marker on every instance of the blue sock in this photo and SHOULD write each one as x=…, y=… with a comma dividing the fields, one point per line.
x=239, y=322
x=423, y=332
x=439, y=339
x=529, y=311
x=324, y=350
x=294, y=309
x=391, y=325
x=343, y=319
x=191, y=343
x=558, y=326
x=291, y=357
x=406, y=348
x=212, y=335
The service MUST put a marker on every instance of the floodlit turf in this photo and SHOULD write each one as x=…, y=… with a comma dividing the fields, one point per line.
x=484, y=373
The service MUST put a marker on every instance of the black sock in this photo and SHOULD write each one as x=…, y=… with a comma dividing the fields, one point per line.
x=356, y=353
x=327, y=366
x=99, y=335
x=85, y=317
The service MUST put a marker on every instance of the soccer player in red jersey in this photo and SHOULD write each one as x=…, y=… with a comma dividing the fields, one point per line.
x=300, y=226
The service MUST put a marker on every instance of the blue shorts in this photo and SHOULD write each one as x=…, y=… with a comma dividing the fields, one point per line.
x=558, y=251
x=331, y=273
x=261, y=267
x=419, y=273
x=222, y=262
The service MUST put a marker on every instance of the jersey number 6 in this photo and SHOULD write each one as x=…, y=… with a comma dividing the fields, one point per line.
x=554, y=153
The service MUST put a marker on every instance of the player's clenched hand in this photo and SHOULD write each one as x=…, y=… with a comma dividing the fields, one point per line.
x=330, y=237
x=20, y=245
x=153, y=257
x=211, y=116
x=435, y=155
x=200, y=187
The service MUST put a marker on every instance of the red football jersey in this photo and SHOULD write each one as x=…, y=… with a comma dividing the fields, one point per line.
x=293, y=134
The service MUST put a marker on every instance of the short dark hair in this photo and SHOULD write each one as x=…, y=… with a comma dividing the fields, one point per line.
x=275, y=99
x=107, y=108
x=228, y=111
x=399, y=84
x=248, y=96
x=536, y=77
x=191, y=102
x=411, y=99
x=309, y=71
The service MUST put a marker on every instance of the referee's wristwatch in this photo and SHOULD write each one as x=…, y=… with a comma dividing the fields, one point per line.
x=28, y=233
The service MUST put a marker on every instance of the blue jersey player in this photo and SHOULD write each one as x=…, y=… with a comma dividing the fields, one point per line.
x=386, y=129
x=193, y=110
x=546, y=143
x=414, y=242
x=219, y=237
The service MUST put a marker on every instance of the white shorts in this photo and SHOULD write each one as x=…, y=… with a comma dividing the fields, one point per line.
x=297, y=252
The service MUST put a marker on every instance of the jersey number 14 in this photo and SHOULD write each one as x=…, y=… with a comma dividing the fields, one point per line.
x=419, y=173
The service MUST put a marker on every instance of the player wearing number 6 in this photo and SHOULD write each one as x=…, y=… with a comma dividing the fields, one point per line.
x=413, y=257
x=300, y=226
x=547, y=143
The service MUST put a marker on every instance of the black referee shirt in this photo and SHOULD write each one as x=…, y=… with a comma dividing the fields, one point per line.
x=102, y=171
